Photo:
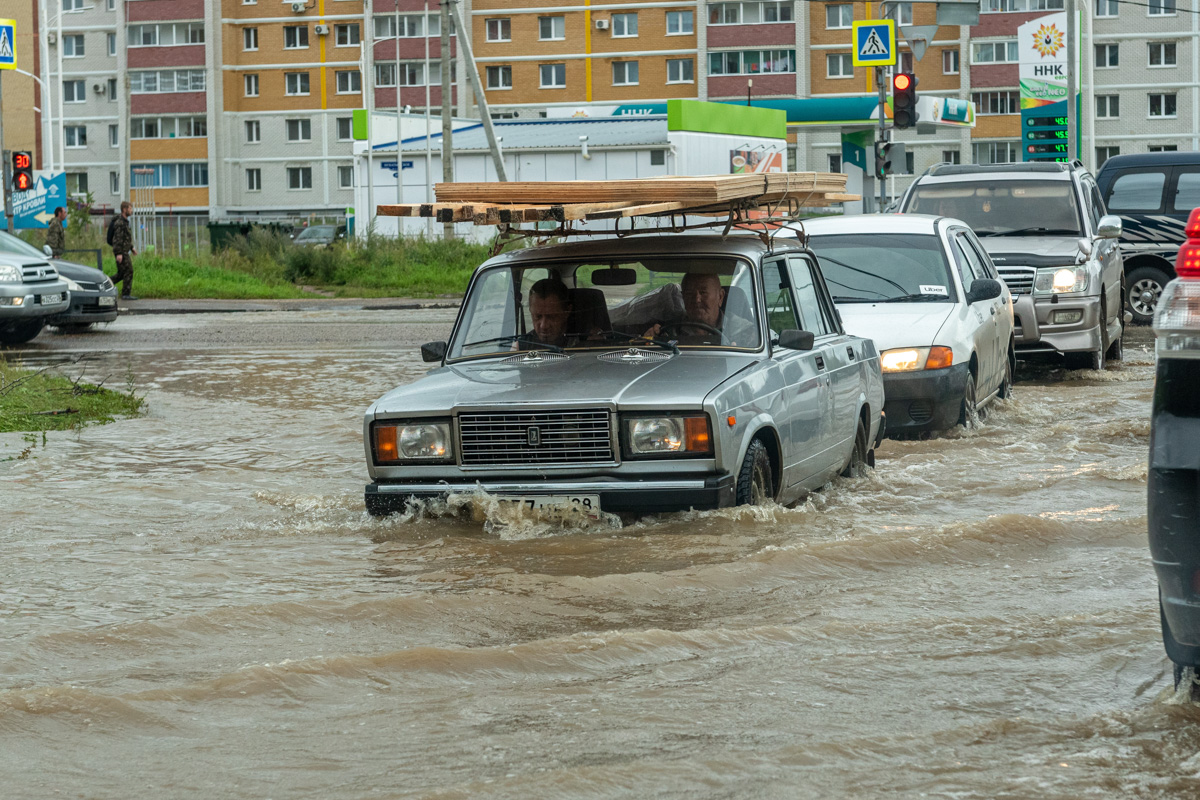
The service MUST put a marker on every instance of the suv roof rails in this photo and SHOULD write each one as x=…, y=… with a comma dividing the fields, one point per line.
x=975, y=169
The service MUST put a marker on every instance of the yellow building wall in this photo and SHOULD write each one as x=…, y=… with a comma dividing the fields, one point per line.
x=168, y=149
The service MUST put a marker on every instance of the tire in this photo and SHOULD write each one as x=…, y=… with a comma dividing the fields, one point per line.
x=20, y=332
x=1094, y=360
x=1145, y=287
x=1185, y=659
x=72, y=327
x=968, y=412
x=860, y=454
x=754, y=482
x=1006, y=383
x=1116, y=350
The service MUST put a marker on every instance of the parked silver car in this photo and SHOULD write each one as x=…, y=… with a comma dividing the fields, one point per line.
x=30, y=292
x=93, y=296
x=642, y=374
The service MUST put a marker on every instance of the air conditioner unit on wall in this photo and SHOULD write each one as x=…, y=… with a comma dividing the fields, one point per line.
x=299, y=7
x=601, y=24
x=51, y=37
x=98, y=87
x=322, y=30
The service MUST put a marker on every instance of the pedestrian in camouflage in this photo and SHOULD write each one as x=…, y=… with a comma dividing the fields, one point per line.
x=56, y=238
x=122, y=246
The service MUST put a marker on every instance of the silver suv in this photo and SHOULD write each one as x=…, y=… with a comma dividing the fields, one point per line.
x=1047, y=231
x=30, y=292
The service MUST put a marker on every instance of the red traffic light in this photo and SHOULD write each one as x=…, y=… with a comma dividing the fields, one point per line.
x=902, y=82
x=22, y=171
x=22, y=182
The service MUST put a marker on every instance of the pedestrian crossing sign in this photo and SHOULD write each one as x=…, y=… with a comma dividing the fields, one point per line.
x=8, y=44
x=874, y=43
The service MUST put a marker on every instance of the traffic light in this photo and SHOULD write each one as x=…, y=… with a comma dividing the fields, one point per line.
x=22, y=171
x=883, y=160
x=904, y=100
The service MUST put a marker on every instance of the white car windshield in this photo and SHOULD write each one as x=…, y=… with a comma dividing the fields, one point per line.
x=699, y=302
x=884, y=267
x=1003, y=208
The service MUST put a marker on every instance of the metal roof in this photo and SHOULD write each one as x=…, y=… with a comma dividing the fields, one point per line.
x=548, y=134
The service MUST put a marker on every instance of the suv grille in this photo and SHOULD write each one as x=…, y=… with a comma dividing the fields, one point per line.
x=561, y=437
x=38, y=273
x=1018, y=279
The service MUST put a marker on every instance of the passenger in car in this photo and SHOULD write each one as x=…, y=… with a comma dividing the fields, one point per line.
x=703, y=300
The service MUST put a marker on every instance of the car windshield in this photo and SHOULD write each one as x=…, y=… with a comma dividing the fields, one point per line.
x=671, y=303
x=18, y=247
x=884, y=267
x=317, y=232
x=1003, y=208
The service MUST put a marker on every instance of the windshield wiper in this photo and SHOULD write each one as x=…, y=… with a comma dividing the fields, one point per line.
x=837, y=299
x=1034, y=229
x=916, y=298
x=515, y=338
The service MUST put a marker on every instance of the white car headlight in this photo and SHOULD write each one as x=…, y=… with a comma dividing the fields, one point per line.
x=72, y=285
x=1060, y=280
x=397, y=442
x=9, y=274
x=668, y=435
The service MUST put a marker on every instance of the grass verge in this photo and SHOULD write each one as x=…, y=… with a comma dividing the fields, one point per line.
x=34, y=400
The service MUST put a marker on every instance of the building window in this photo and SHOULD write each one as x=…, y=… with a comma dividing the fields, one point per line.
x=345, y=177
x=901, y=12
x=751, y=62
x=625, y=73
x=348, y=35
x=249, y=38
x=658, y=158
x=345, y=129
x=114, y=182
x=1162, y=106
x=1108, y=106
x=1161, y=54
x=70, y=6
x=681, y=70
x=295, y=37
x=1107, y=56
x=1162, y=8
x=77, y=184
x=990, y=103
x=73, y=46
x=499, y=30
x=193, y=127
x=552, y=28
x=1105, y=153
x=1165, y=148
x=1004, y=52
x=254, y=180
x=112, y=90
x=299, y=130
x=73, y=92
x=950, y=62
x=996, y=152
x=910, y=162
x=253, y=131
x=412, y=73
x=624, y=25
x=412, y=26
x=168, y=127
x=299, y=177
x=904, y=62
x=114, y=136
x=680, y=23
x=144, y=128
x=295, y=83
x=782, y=12
x=951, y=157
x=1005, y=6
x=553, y=76
x=112, y=44
x=165, y=34
x=349, y=81
x=166, y=81
x=499, y=77
x=250, y=85
x=839, y=65
x=838, y=17
x=748, y=13
x=75, y=136
x=1107, y=8
x=835, y=162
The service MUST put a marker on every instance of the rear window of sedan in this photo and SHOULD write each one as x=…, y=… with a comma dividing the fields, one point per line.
x=884, y=267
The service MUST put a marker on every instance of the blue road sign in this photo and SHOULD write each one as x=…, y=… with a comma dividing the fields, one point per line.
x=874, y=43
x=8, y=44
x=35, y=208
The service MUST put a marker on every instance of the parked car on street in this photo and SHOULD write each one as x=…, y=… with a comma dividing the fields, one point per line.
x=1153, y=193
x=320, y=235
x=30, y=292
x=924, y=289
x=93, y=296
x=1173, y=479
x=645, y=373
x=1046, y=230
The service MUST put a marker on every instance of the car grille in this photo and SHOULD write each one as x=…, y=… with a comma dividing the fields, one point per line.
x=1018, y=279
x=39, y=273
x=88, y=286
x=562, y=437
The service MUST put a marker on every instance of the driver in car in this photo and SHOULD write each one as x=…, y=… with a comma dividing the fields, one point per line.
x=703, y=296
x=549, y=311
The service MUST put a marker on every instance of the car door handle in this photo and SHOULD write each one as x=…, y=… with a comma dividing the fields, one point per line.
x=850, y=352
x=820, y=362
x=993, y=311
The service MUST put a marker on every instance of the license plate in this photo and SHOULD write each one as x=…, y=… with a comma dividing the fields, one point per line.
x=108, y=301
x=586, y=503
x=49, y=299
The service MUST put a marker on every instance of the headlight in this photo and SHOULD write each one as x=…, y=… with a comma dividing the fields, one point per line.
x=72, y=285
x=911, y=359
x=1059, y=280
x=426, y=442
x=9, y=274
x=108, y=284
x=668, y=435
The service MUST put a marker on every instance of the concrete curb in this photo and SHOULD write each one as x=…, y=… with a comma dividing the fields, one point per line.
x=134, y=307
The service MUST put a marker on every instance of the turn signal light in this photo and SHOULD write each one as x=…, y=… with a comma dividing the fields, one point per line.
x=385, y=443
x=696, y=434
x=939, y=357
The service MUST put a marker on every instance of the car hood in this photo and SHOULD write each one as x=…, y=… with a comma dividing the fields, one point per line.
x=683, y=380
x=78, y=272
x=895, y=324
x=1031, y=251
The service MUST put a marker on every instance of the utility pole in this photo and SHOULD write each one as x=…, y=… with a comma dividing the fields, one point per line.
x=8, y=211
x=485, y=114
x=447, y=123
x=399, y=118
x=1072, y=112
x=882, y=138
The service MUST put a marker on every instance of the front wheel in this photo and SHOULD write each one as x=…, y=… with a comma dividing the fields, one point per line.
x=754, y=482
x=1145, y=287
x=20, y=332
x=1006, y=383
x=968, y=413
x=1094, y=360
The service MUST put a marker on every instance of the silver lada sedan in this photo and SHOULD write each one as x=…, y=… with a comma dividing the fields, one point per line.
x=646, y=373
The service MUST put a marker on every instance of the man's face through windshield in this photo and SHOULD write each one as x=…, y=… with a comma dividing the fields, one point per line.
x=702, y=296
x=549, y=316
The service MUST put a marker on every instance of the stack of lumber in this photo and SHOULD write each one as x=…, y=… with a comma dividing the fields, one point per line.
x=514, y=202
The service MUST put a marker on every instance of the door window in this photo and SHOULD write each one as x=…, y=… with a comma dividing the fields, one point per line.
x=781, y=311
x=1137, y=191
x=988, y=270
x=1187, y=191
x=1089, y=203
x=967, y=262
x=813, y=314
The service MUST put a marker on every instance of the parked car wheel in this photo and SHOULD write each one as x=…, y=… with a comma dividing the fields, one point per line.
x=968, y=414
x=72, y=327
x=1145, y=287
x=754, y=483
x=21, y=332
x=860, y=456
x=1116, y=350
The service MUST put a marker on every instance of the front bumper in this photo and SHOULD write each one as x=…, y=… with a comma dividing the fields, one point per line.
x=31, y=305
x=929, y=400
x=642, y=496
x=85, y=307
x=1036, y=332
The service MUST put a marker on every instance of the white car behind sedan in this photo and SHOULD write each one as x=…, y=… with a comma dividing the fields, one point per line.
x=925, y=290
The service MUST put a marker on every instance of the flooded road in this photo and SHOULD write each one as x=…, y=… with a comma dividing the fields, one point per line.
x=194, y=603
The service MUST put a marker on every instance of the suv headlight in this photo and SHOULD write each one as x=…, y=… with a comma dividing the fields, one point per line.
x=9, y=274
x=1060, y=280
x=417, y=441
x=667, y=435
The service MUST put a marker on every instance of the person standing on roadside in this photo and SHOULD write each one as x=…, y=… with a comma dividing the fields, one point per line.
x=122, y=247
x=56, y=237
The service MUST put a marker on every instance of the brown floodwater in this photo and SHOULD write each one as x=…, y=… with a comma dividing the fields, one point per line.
x=194, y=603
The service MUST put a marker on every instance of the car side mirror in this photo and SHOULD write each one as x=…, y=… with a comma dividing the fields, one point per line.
x=984, y=289
x=46, y=249
x=433, y=351
x=797, y=340
x=1110, y=227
